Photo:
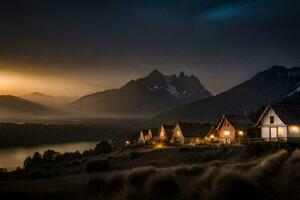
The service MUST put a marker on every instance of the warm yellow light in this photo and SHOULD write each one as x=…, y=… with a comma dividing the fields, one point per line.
x=241, y=133
x=295, y=129
x=226, y=133
x=127, y=142
x=159, y=146
x=212, y=136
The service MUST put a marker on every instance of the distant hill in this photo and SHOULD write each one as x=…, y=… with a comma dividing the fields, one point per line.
x=146, y=96
x=47, y=100
x=11, y=106
x=270, y=86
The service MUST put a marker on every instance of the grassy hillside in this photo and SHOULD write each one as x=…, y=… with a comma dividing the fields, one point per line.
x=206, y=172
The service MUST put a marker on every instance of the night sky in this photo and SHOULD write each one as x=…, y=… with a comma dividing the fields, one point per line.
x=76, y=47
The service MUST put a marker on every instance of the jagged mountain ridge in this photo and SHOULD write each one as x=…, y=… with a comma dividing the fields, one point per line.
x=267, y=87
x=143, y=97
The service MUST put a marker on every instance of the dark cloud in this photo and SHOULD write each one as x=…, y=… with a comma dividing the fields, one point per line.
x=209, y=38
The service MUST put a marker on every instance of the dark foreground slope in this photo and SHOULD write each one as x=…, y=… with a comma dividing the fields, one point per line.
x=267, y=87
x=174, y=173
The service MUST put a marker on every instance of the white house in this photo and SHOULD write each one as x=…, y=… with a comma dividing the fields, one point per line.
x=191, y=133
x=177, y=136
x=141, y=138
x=280, y=123
x=148, y=137
x=165, y=133
x=145, y=137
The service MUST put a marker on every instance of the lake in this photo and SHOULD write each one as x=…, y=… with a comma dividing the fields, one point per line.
x=13, y=157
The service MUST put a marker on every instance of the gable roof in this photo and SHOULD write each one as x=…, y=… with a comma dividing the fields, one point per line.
x=194, y=129
x=237, y=121
x=289, y=114
x=168, y=130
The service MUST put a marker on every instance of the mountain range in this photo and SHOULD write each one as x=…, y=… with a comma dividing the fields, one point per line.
x=143, y=97
x=166, y=97
x=277, y=84
x=48, y=100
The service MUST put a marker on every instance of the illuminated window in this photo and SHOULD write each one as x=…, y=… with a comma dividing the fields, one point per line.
x=226, y=133
x=294, y=129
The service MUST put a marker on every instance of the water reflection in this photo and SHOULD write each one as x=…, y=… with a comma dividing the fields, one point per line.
x=11, y=158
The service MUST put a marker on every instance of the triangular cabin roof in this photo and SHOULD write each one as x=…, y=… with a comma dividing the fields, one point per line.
x=141, y=135
x=289, y=114
x=194, y=129
x=168, y=129
x=212, y=130
x=237, y=121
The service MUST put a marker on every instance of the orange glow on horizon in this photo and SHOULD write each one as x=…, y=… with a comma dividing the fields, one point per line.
x=12, y=83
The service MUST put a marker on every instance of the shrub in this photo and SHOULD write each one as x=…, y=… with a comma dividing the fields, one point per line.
x=103, y=147
x=38, y=174
x=50, y=155
x=189, y=170
x=138, y=177
x=163, y=185
x=96, y=185
x=231, y=186
x=75, y=163
x=295, y=157
x=289, y=180
x=131, y=194
x=203, y=183
x=98, y=165
x=134, y=154
x=269, y=166
x=115, y=185
x=184, y=149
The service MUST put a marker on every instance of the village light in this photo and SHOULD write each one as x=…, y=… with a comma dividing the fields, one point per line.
x=226, y=133
x=241, y=133
x=159, y=146
x=212, y=136
x=295, y=129
x=127, y=142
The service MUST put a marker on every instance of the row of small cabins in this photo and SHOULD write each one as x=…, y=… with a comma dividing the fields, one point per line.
x=276, y=123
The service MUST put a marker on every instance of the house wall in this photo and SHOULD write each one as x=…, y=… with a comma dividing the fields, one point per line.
x=226, y=127
x=294, y=131
x=265, y=121
x=277, y=129
x=177, y=136
x=150, y=135
x=192, y=140
x=141, y=138
x=161, y=133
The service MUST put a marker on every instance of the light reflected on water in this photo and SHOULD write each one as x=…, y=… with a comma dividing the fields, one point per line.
x=11, y=158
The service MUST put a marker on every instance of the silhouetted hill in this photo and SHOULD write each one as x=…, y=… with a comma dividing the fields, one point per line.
x=143, y=97
x=266, y=87
x=11, y=106
x=47, y=100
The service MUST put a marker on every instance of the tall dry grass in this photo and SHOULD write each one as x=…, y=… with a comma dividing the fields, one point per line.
x=273, y=177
